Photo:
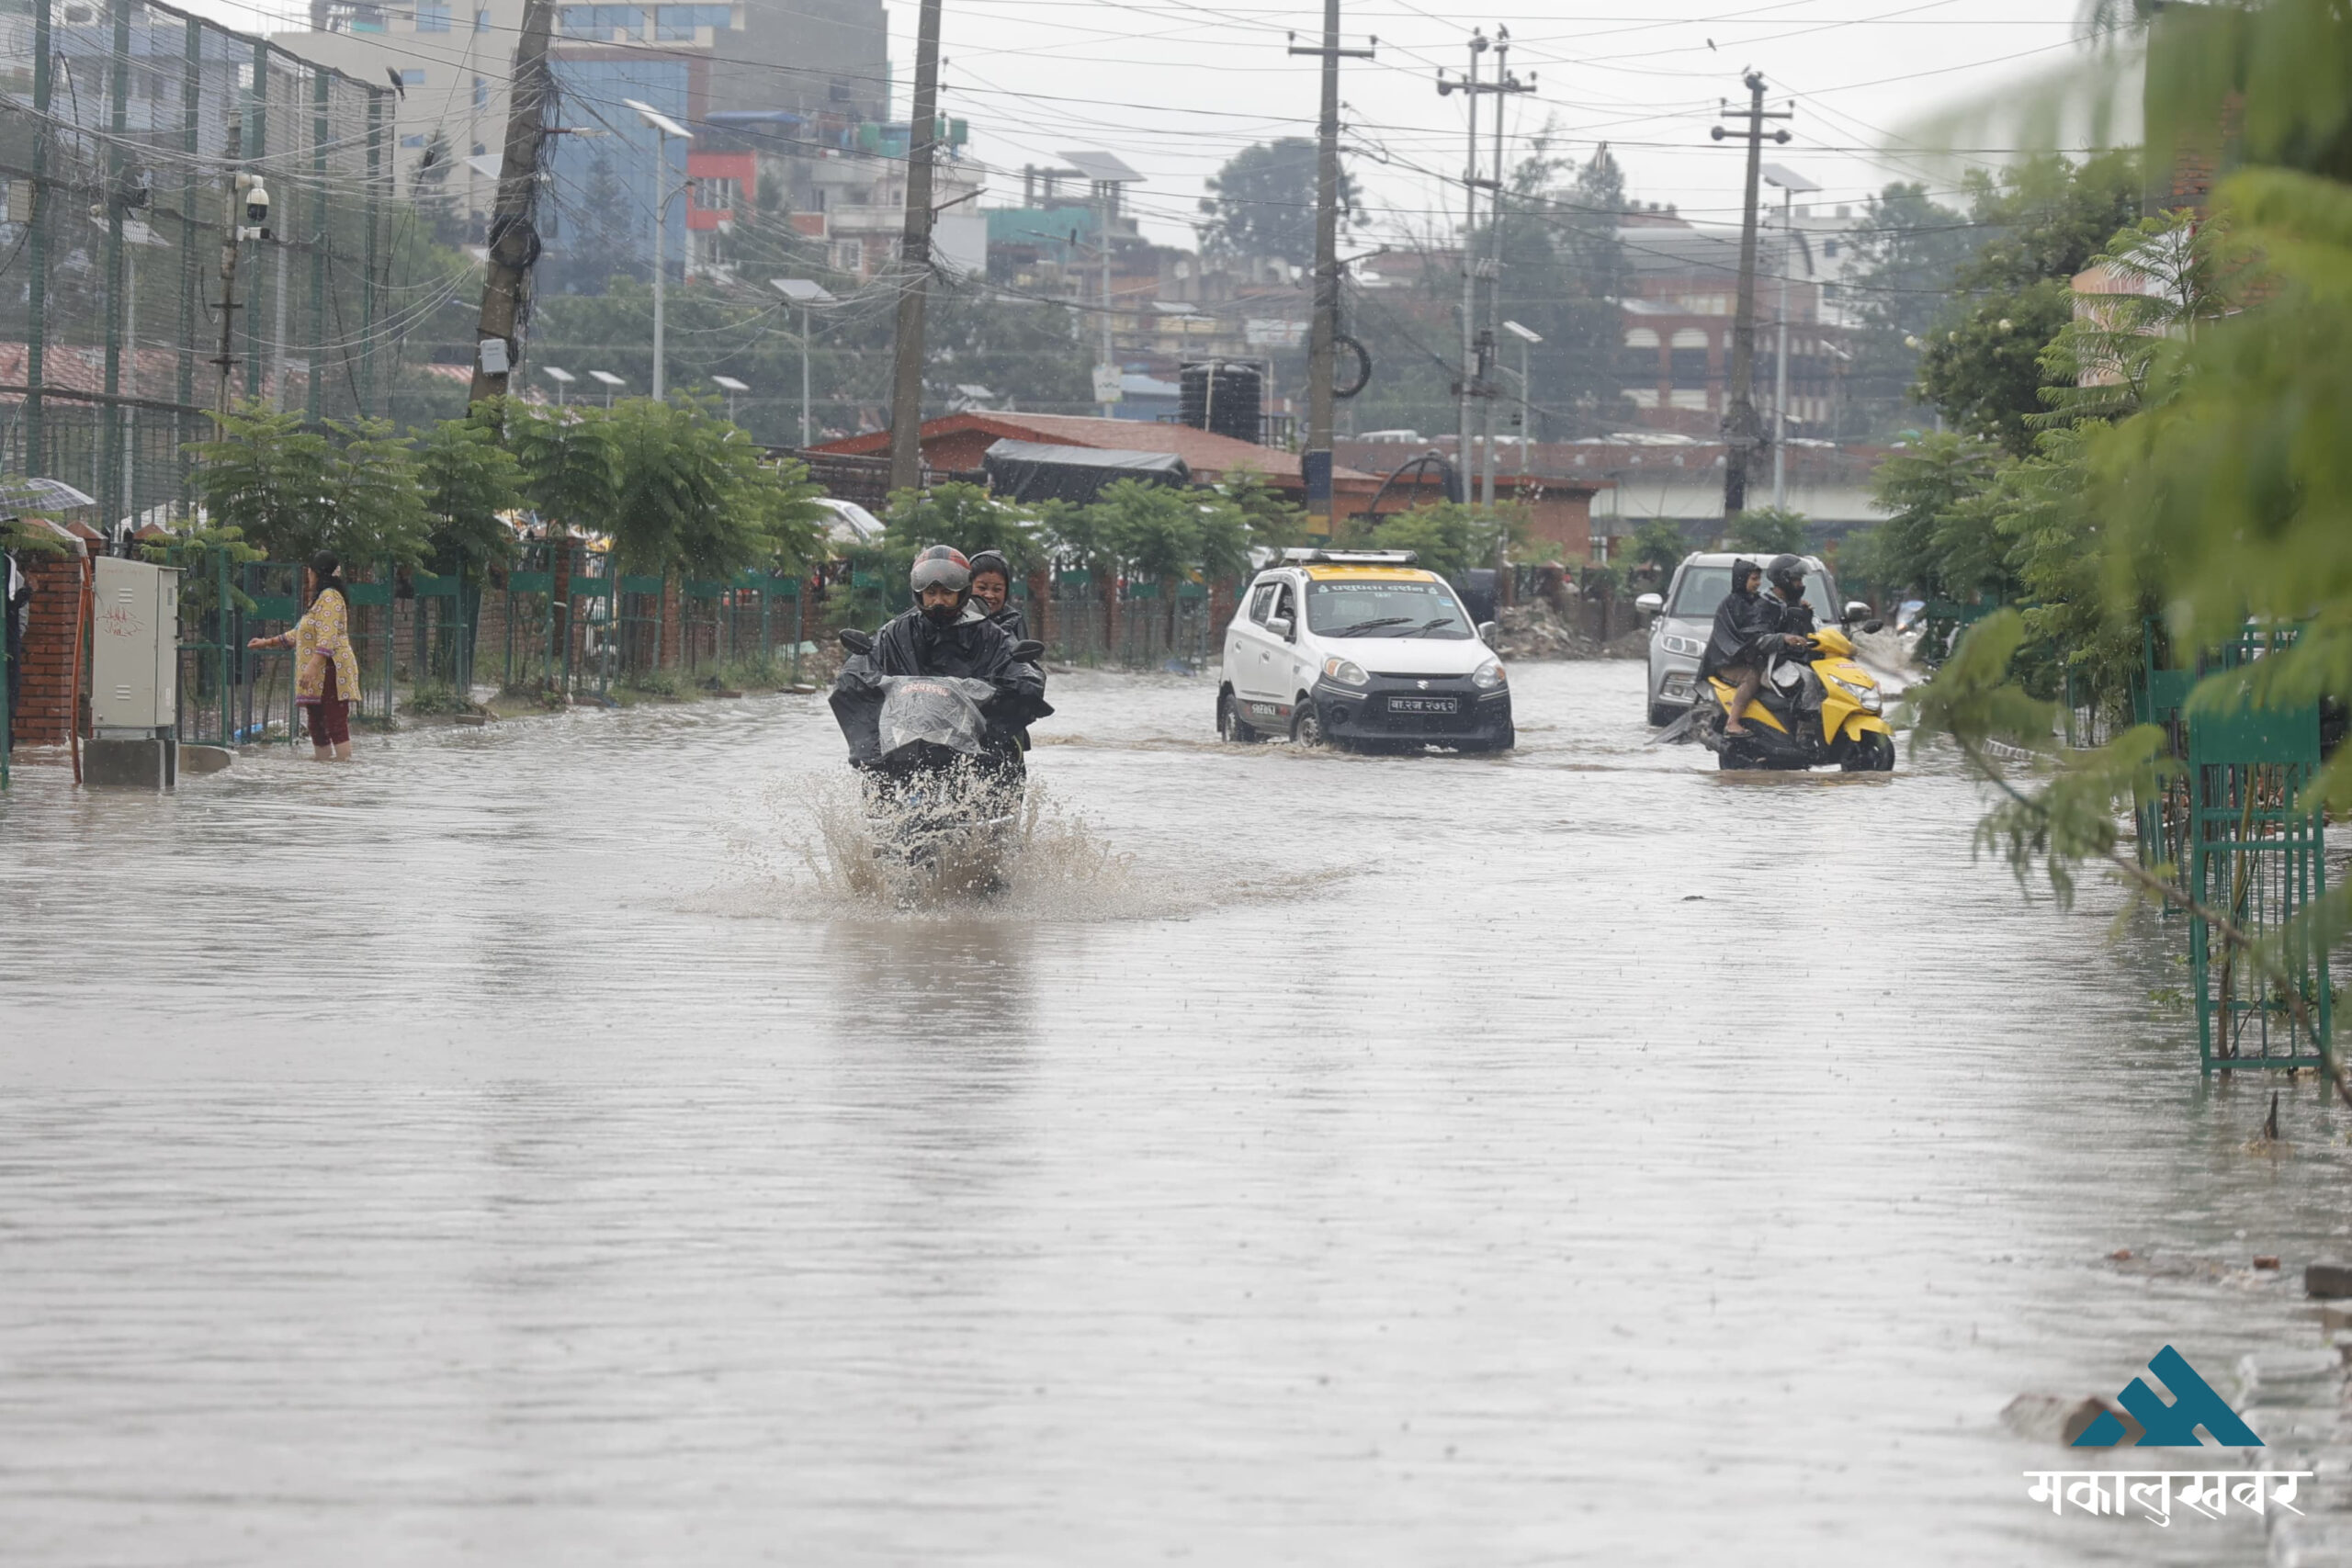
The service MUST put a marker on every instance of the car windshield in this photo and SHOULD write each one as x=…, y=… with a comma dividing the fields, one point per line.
x=1703, y=589
x=1387, y=609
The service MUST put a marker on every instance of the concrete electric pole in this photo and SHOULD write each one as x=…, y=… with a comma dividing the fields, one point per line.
x=915, y=250
x=1503, y=85
x=1740, y=430
x=1790, y=183
x=1315, y=461
x=514, y=240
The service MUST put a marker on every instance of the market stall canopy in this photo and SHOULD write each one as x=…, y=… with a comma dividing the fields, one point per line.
x=1036, y=470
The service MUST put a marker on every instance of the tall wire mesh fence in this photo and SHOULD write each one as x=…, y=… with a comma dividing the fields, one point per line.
x=123, y=124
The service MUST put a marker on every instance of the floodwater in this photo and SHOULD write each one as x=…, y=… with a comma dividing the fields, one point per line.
x=505, y=1150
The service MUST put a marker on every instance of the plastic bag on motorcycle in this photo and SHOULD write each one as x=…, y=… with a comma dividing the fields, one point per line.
x=924, y=716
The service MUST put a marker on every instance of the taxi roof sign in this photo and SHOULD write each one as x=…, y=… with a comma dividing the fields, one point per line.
x=1298, y=554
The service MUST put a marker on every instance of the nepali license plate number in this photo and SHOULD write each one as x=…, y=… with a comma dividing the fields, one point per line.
x=1424, y=704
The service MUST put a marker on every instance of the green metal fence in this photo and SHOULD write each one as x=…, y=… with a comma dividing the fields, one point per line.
x=118, y=178
x=2257, y=860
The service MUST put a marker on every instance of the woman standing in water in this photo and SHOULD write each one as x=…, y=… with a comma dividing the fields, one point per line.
x=326, y=667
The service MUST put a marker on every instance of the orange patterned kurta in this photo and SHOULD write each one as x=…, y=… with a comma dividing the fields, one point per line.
x=325, y=628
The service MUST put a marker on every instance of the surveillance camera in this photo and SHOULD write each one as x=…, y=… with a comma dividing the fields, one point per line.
x=257, y=204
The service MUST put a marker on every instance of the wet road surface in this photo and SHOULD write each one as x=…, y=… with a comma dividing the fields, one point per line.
x=505, y=1150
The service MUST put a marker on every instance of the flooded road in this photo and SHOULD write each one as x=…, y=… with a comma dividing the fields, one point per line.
x=503, y=1151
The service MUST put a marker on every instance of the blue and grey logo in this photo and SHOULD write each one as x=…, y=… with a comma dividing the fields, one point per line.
x=2173, y=1426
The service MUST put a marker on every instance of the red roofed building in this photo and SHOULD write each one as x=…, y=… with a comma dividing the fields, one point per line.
x=956, y=443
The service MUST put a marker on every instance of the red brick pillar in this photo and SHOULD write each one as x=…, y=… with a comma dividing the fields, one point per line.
x=1221, y=602
x=45, y=713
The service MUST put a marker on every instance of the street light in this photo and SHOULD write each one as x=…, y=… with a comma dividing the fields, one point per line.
x=663, y=128
x=731, y=387
x=610, y=381
x=1526, y=388
x=1790, y=182
x=562, y=377
x=808, y=294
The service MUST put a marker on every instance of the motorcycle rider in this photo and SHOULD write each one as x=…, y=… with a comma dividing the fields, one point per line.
x=944, y=633
x=1747, y=631
x=992, y=590
x=1786, y=574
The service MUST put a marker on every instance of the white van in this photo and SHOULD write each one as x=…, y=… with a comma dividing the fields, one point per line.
x=1361, y=648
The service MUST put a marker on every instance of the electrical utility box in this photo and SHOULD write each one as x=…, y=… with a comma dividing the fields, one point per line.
x=134, y=649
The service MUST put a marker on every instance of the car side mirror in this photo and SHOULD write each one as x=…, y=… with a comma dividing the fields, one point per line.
x=1486, y=630
x=1280, y=625
x=857, y=641
x=1874, y=625
x=1028, y=650
x=1650, y=603
x=1855, y=609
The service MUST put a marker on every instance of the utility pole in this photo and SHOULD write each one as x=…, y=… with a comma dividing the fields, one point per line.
x=1465, y=388
x=514, y=242
x=906, y=381
x=1105, y=194
x=232, y=219
x=1489, y=343
x=1315, y=461
x=1780, y=357
x=1740, y=430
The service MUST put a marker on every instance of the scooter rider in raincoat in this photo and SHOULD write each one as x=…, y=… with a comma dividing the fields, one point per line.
x=992, y=590
x=1747, y=631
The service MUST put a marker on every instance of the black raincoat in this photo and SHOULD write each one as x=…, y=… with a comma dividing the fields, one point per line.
x=970, y=647
x=1748, y=625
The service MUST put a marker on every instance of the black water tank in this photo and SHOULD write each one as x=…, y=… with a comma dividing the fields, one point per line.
x=1224, y=396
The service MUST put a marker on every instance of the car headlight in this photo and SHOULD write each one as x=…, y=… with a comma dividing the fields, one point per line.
x=1488, y=675
x=1346, y=672
x=1673, y=643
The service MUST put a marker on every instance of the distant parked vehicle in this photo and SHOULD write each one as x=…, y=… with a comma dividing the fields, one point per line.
x=1392, y=437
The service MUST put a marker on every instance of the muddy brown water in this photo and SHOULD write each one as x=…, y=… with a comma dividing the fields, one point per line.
x=505, y=1150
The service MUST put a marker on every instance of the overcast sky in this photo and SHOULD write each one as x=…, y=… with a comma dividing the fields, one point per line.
x=1175, y=88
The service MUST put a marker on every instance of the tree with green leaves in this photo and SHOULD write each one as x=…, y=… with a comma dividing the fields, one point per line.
x=2048, y=217
x=1660, y=544
x=696, y=496
x=290, y=490
x=469, y=478
x=1274, y=523
x=570, y=463
x=1909, y=247
x=1769, y=531
x=2224, y=495
x=1450, y=538
x=1263, y=202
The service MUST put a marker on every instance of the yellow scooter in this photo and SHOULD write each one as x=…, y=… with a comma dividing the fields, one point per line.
x=1817, y=708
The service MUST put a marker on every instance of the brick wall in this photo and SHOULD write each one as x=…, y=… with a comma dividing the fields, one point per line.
x=45, y=716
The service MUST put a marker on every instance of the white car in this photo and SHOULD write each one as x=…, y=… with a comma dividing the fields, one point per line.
x=1360, y=648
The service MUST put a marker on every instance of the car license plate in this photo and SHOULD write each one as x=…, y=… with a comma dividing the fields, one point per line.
x=1424, y=704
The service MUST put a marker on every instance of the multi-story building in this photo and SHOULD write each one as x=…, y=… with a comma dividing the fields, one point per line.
x=838, y=184
x=1679, y=316
x=820, y=62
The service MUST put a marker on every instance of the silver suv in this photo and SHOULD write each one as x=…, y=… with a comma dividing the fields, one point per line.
x=1684, y=617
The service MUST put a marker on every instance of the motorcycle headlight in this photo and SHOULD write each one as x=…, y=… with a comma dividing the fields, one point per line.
x=1346, y=672
x=1488, y=675
x=1866, y=695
